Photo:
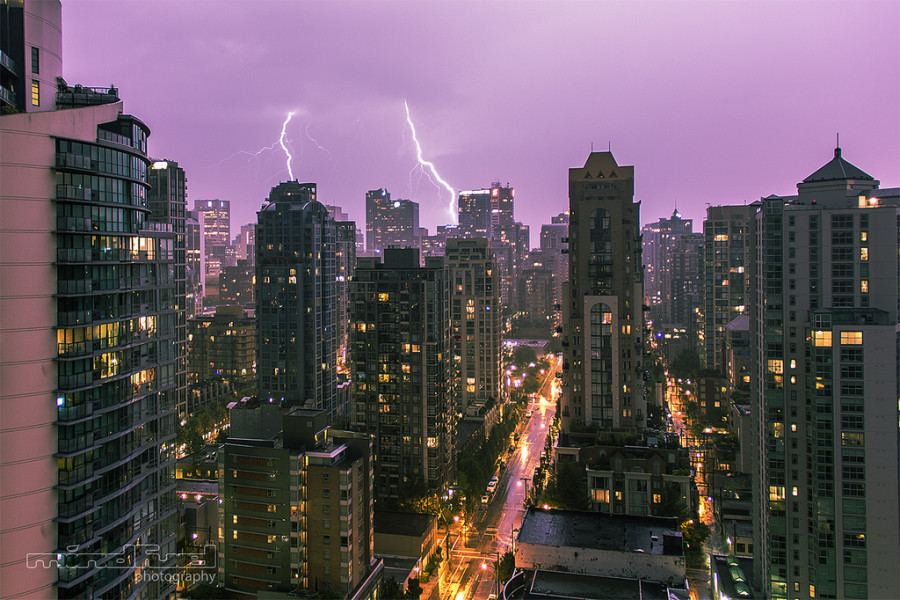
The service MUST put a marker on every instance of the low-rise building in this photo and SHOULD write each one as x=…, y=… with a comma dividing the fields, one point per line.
x=646, y=548
x=636, y=480
x=297, y=507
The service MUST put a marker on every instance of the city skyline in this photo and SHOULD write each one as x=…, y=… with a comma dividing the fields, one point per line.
x=753, y=93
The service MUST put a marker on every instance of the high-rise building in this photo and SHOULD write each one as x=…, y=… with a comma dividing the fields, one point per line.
x=88, y=351
x=400, y=369
x=554, y=254
x=390, y=223
x=659, y=242
x=345, y=246
x=245, y=243
x=223, y=346
x=537, y=290
x=215, y=227
x=823, y=324
x=433, y=245
x=475, y=322
x=489, y=213
x=31, y=48
x=686, y=285
x=603, y=300
x=725, y=274
x=195, y=263
x=298, y=508
x=296, y=299
x=237, y=285
x=167, y=200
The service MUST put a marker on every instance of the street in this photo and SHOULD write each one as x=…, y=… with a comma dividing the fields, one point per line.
x=477, y=545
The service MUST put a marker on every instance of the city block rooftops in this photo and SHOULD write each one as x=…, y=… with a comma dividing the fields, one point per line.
x=402, y=523
x=613, y=533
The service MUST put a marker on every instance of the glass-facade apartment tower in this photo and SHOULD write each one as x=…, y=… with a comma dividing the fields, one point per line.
x=89, y=355
x=296, y=295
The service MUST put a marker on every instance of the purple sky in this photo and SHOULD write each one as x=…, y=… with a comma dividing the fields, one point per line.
x=712, y=102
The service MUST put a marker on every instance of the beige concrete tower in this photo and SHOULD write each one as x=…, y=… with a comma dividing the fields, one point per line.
x=602, y=301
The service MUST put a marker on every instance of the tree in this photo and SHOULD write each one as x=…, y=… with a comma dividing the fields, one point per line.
x=389, y=588
x=685, y=366
x=413, y=589
x=523, y=355
x=695, y=534
x=671, y=504
x=568, y=488
x=506, y=567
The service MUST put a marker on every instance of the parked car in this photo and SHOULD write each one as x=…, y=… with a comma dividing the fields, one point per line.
x=485, y=498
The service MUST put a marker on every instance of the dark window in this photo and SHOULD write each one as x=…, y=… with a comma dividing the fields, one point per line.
x=35, y=60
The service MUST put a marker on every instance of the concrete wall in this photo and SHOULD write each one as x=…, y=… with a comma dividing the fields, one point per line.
x=28, y=439
x=591, y=561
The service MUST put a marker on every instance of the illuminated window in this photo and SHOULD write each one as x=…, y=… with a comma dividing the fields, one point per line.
x=383, y=297
x=852, y=439
x=822, y=338
x=864, y=236
x=600, y=496
x=864, y=286
x=776, y=365
x=863, y=254
x=657, y=498
x=851, y=338
x=35, y=92
x=776, y=493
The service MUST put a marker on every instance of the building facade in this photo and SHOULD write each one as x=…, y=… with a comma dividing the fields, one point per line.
x=725, y=275
x=603, y=300
x=167, y=200
x=659, y=242
x=214, y=217
x=823, y=324
x=296, y=298
x=297, y=510
x=400, y=369
x=223, y=346
x=475, y=323
x=89, y=352
x=390, y=223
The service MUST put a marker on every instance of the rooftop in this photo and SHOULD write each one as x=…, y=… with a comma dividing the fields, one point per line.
x=401, y=523
x=837, y=169
x=734, y=575
x=552, y=585
x=614, y=533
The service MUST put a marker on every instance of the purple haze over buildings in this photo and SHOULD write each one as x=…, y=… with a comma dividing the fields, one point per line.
x=717, y=103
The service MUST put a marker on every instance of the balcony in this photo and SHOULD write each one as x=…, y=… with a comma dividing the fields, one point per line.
x=76, y=509
x=8, y=96
x=75, y=477
x=7, y=62
x=70, y=414
x=76, y=445
x=69, y=160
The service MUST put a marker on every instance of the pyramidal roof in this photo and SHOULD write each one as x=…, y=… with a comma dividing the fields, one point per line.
x=837, y=169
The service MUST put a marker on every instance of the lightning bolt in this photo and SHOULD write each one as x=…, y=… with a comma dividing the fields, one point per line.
x=284, y=146
x=316, y=142
x=451, y=209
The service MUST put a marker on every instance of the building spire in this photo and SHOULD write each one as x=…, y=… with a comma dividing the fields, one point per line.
x=837, y=148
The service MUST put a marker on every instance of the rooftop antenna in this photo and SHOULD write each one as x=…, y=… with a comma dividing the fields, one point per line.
x=592, y=147
x=609, y=147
